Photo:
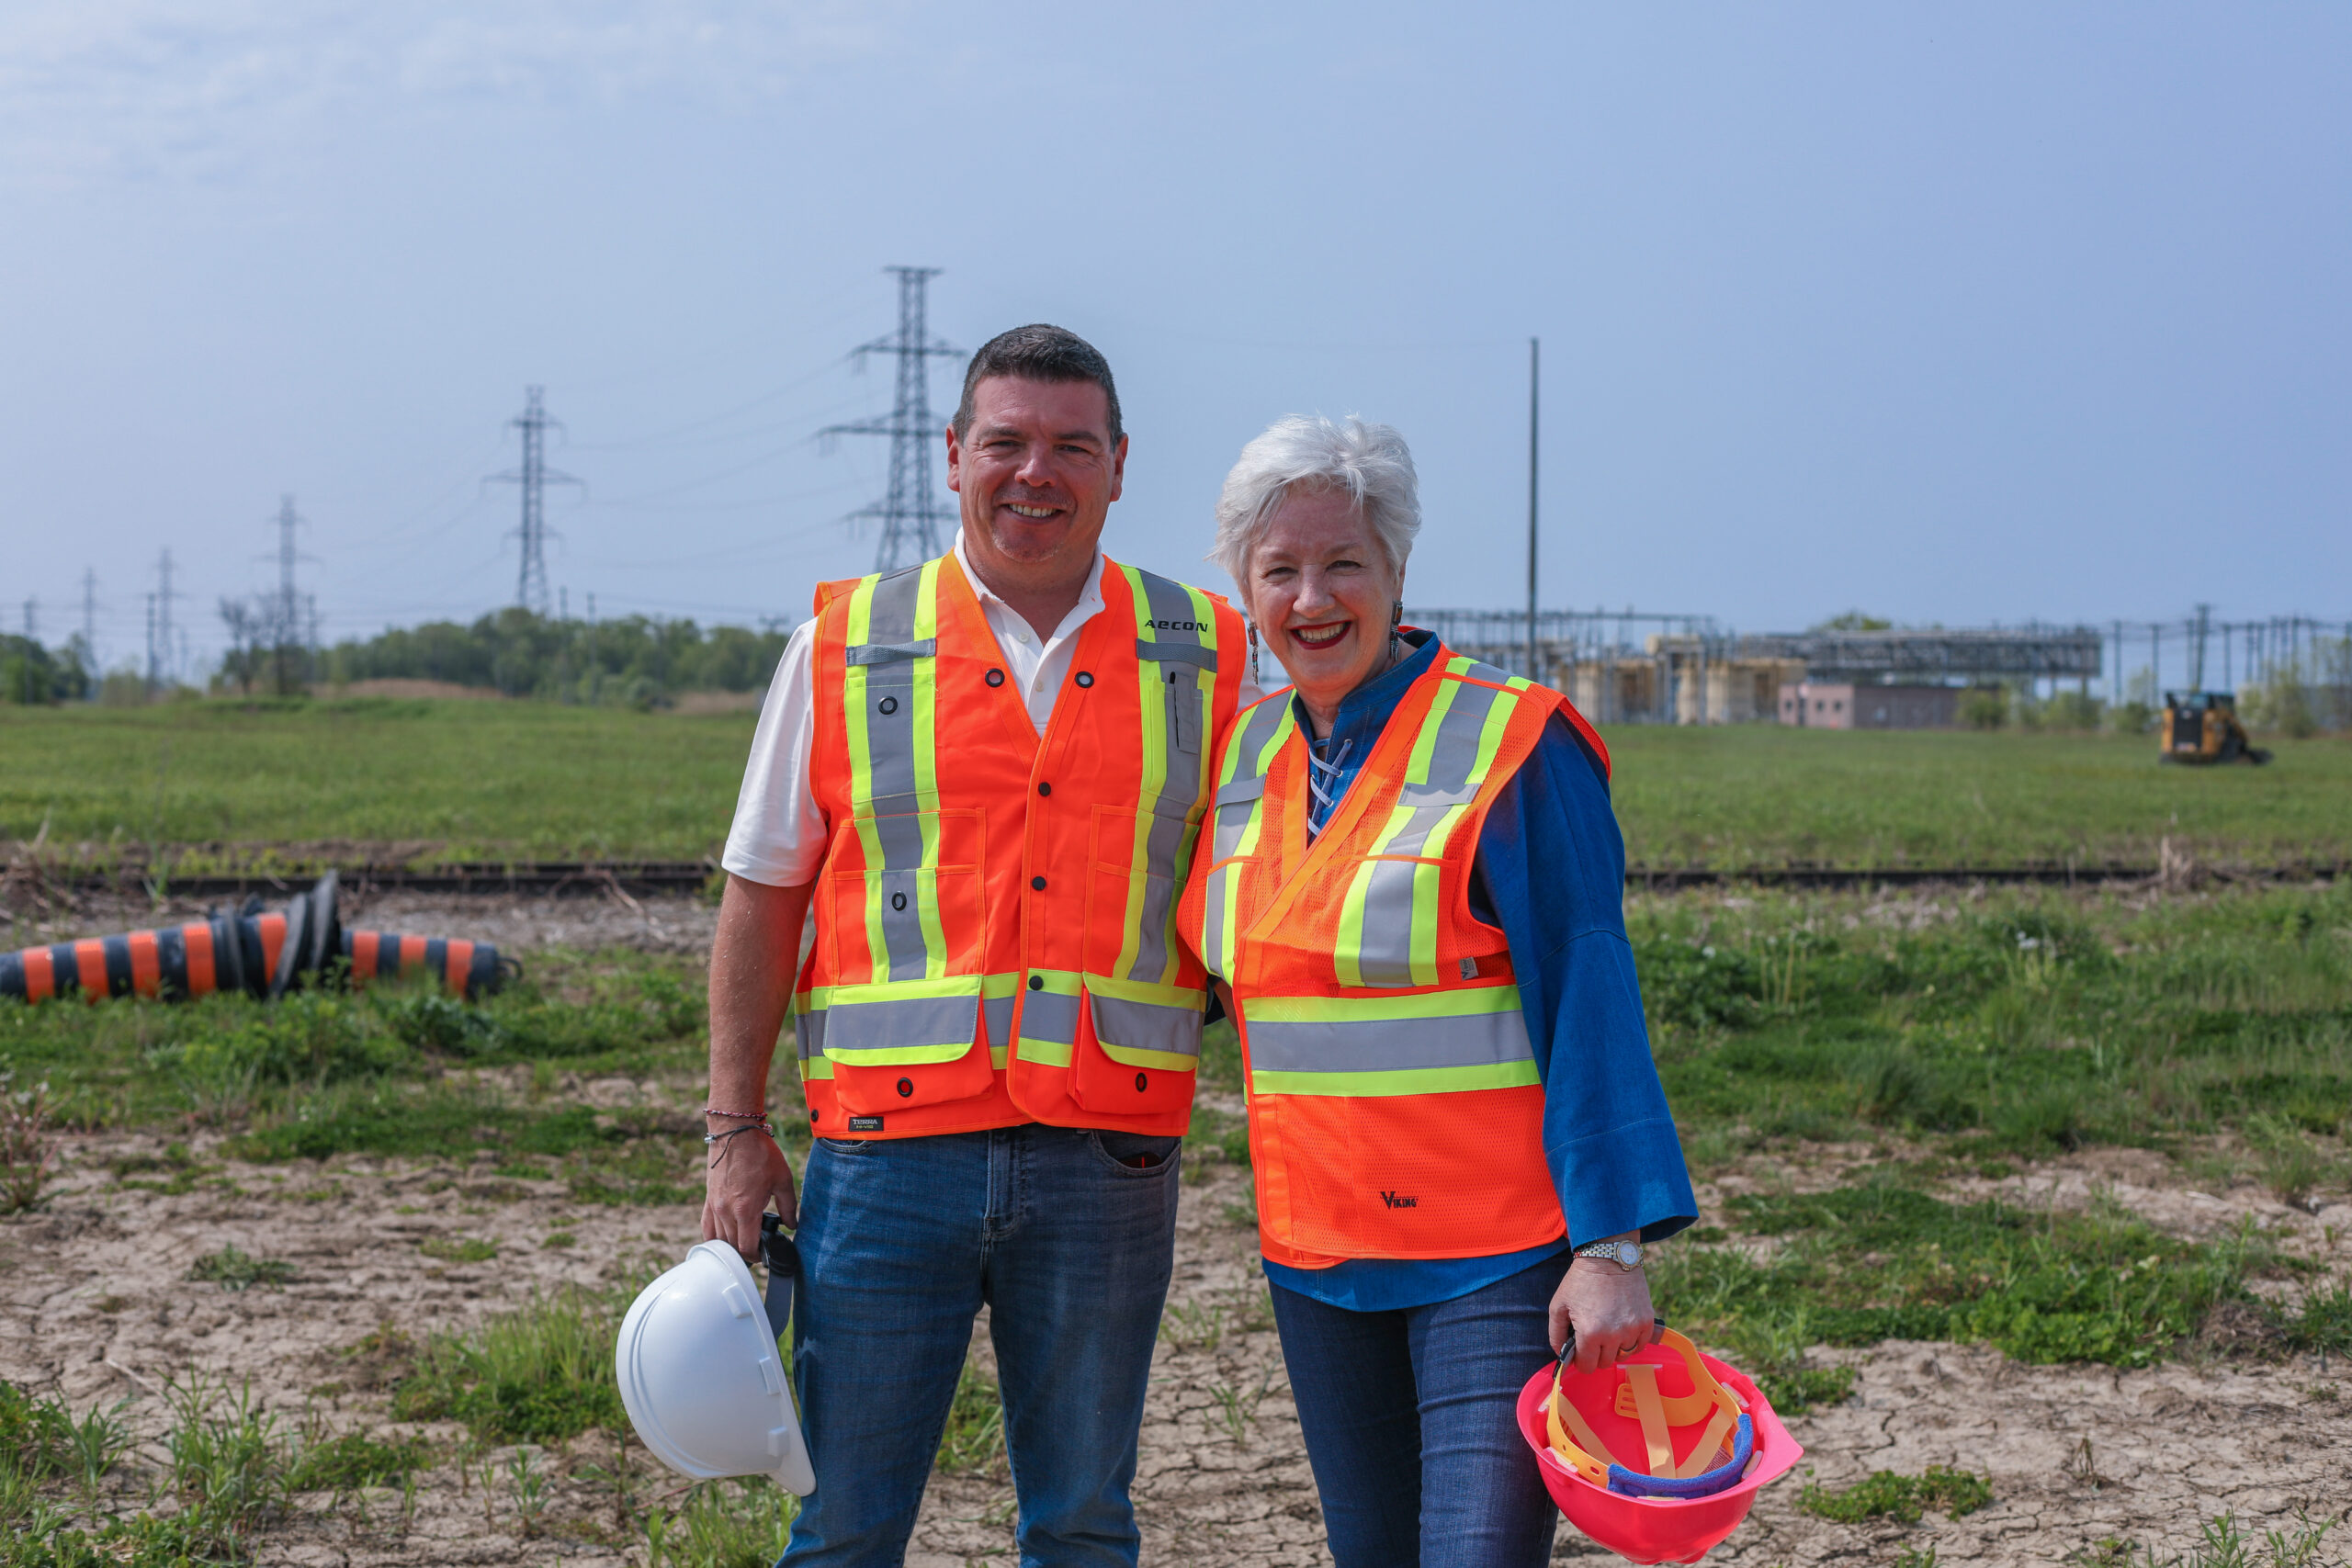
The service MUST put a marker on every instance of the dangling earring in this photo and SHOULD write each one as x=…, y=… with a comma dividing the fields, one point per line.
x=1253, y=657
x=1395, y=643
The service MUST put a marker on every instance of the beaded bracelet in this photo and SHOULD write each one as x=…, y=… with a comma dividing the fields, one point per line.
x=735, y=1115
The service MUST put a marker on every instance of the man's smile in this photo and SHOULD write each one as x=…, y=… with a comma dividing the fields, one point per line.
x=1019, y=510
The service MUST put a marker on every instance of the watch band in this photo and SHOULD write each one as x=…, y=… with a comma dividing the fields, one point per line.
x=1615, y=1251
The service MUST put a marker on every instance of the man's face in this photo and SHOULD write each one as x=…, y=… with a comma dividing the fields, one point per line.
x=1037, y=471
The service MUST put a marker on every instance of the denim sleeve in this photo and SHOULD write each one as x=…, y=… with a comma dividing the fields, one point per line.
x=1608, y=1135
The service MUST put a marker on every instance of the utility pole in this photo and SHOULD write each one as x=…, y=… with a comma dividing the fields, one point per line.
x=533, y=476
x=153, y=674
x=911, y=514
x=159, y=652
x=1534, y=427
x=32, y=623
x=90, y=617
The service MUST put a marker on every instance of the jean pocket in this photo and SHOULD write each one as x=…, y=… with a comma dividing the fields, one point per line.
x=845, y=1145
x=1135, y=1154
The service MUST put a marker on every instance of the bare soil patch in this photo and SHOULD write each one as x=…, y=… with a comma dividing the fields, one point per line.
x=95, y=1303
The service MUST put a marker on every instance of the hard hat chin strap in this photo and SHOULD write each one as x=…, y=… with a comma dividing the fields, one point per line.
x=782, y=1259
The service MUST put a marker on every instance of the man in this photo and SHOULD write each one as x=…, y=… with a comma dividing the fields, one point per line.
x=986, y=775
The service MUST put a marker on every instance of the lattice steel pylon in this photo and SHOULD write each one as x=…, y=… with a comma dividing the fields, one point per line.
x=534, y=476
x=912, y=513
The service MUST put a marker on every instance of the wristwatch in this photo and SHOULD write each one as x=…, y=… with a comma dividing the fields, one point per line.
x=1626, y=1254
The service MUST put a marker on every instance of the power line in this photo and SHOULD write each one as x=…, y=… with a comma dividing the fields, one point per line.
x=534, y=476
x=910, y=514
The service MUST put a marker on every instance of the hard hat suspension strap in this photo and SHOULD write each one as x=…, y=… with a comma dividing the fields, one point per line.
x=782, y=1259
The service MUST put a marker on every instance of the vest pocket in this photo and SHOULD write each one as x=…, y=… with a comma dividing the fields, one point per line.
x=1135, y=1057
x=917, y=907
x=896, y=1047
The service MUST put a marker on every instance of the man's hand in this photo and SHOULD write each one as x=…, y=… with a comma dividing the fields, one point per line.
x=1608, y=1307
x=745, y=1172
x=753, y=960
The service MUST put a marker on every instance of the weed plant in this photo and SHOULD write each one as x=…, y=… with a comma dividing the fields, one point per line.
x=972, y=1442
x=1887, y=1495
x=739, y=1524
x=537, y=1375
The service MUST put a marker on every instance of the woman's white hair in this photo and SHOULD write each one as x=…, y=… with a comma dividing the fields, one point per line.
x=1370, y=463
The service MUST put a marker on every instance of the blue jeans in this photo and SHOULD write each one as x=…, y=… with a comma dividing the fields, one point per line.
x=1411, y=1424
x=1068, y=1240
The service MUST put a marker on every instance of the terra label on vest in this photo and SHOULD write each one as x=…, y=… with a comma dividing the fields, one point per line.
x=865, y=1123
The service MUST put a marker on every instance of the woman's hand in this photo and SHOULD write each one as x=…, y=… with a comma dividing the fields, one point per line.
x=1608, y=1309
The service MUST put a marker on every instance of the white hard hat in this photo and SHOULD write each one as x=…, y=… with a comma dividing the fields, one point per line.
x=699, y=1371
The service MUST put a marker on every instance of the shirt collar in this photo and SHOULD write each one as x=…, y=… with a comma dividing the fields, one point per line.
x=1364, y=713
x=1089, y=598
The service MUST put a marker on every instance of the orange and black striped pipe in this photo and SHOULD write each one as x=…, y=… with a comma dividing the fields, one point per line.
x=261, y=955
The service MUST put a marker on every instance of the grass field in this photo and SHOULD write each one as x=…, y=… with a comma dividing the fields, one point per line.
x=486, y=781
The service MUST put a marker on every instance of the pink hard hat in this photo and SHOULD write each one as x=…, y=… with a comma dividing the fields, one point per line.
x=1707, y=1436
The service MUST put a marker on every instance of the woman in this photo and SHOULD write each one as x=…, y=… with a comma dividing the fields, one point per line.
x=1413, y=905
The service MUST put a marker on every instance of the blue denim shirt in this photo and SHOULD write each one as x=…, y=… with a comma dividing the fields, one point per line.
x=1608, y=1137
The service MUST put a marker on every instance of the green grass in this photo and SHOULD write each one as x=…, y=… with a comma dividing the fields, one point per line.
x=391, y=1071
x=2031, y=1023
x=539, y=1374
x=1888, y=1494
x=1759, y=795
x=233, y=1269
x=288, y=784
x=451, y=780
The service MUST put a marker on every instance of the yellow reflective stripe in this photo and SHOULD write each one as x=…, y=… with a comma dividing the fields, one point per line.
x=1136, y=1057
x=1407, y=1080
x=1154, y=740
x=1466, y=1002
x=861, y=768
x=925, y=702
x=1348, y=951
x=816, y=1067
x=1151, y=993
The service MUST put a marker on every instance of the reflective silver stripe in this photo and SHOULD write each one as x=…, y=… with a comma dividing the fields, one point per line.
x=1146, y=1026
x=808, y=1032
x=1452, y=762
x=910, y=1024
x=1385, y=952
x=1176, y=650
x=1391, y=1045
x=890, y=735
x=1179, y=653
x=893, y=653
x=1049, y=1015
x=903, y=894
x=999, y=1011
x=1236, y=800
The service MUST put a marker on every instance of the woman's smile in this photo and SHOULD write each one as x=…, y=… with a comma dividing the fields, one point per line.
x=1322, y=636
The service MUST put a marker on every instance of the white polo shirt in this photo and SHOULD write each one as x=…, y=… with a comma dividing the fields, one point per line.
x=779, y=835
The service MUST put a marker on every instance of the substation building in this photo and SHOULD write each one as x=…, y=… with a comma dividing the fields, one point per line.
x=1648, y=668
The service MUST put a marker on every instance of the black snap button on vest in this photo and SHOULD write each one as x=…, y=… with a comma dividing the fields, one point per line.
x=1086, y=678
x=889, y=705
x=1038, y=883
x=1044, y=788
x=906, y=1088
x=1141, y=1081
x=1036, y=982
x=898, y=900
x=996, y=677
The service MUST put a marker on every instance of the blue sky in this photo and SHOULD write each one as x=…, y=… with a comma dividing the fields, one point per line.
x=2024, y=311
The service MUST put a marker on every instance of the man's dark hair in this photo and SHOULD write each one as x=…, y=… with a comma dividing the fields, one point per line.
x=1038, y=353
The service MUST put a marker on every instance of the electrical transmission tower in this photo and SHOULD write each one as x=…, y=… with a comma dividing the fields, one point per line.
x=912, y=515
x=90, y=617
x=158, y=623
x=534, y=476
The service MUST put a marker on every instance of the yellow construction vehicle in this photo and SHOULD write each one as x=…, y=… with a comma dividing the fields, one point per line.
x=2202, y=727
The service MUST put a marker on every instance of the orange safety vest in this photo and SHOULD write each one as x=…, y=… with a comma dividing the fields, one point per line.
x=995, y=914
x=1395, y=1106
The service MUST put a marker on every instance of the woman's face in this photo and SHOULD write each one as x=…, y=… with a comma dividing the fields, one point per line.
x=1321, y=594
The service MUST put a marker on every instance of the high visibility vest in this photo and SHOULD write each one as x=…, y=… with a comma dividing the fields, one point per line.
x=1395, y=1106
x=995, y=914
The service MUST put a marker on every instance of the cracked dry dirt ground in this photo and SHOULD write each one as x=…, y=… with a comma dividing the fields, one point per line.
x=93, y=1302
